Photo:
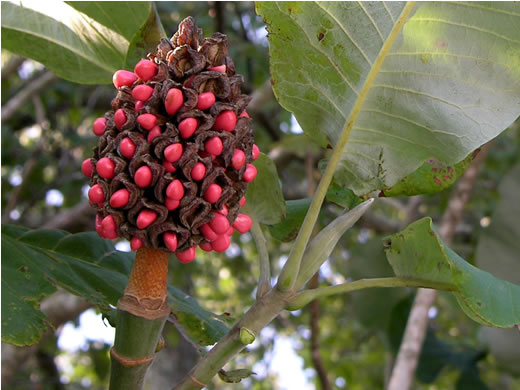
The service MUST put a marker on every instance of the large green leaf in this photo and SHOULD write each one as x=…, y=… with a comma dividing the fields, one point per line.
x=35, y=262
x=399, y=82
x=418, y=253
x=264, y=194
x=84, y=42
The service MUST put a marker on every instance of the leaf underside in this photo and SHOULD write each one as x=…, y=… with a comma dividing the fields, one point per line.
x=418, y=253
x=83, y=42
x=35, y=262
x=449, y=83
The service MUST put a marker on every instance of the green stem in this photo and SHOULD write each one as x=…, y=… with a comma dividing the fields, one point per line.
x=264, y=280
x=254, y=320
x=141, y=315
x=133, y=351
x=290, y=271
x=303, y=298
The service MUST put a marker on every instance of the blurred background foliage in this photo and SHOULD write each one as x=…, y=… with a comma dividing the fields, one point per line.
x=356, y=336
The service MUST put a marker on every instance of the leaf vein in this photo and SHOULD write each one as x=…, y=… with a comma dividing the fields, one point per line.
x=346, y=33
x=462, y=25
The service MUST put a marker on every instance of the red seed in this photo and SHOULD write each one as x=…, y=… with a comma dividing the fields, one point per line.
x=138, y=105
x=119, y=118
x=154, y=133
x=206, y=247
x=98, y=221
x=170, y=240
x=175, y=190
x=136, y=243
x=198, y=171
x=143, y=176
x=146, y=70
x=219, y=223
x=123, y=78
x=100, y=231
x=171, y=204
x=243, y=201
x=187, y=127
x=221, y=243
x=168, y=166
x=142, y=92
x=146, y=218
x=243, y=223
x=224, y=210
x=96, y=194
x=147, y=121
x=127, y=148
x=226, y=120
x=120, y=198
x=99, y=126
x=110, y=235
x=250, y=173
x=186, y=256
x=108, y=225
x=256, y=152
x=173, y=152
x=208, y=233
x=174, y=100
x=105, y=168
x=220, y=68
x=244, y=115
x=239, y=159
x=206, y=100
x=213, y=193
x=87, y=168
x=230, y=231
x=214, y=146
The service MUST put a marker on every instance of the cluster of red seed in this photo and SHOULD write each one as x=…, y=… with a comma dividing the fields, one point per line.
x=175, y=152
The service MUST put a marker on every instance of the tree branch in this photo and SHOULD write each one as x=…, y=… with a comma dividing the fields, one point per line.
x=12, y=66
x=32, y=88
x=404, y=369
x=264, y=281
x=314, y=308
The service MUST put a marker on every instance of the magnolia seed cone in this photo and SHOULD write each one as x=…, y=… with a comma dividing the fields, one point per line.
x=175, y=152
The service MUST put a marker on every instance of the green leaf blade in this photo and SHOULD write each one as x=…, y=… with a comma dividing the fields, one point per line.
x=430, y=94
x=264, y=196
x=84, y=47
x=35, y=262
x=418, y=252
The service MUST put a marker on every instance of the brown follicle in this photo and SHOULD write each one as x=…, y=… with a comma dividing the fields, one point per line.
x=146, y=292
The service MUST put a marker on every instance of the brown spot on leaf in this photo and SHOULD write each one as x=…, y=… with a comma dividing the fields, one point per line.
x=479, y=304
x=437, y=181
x=321, y=36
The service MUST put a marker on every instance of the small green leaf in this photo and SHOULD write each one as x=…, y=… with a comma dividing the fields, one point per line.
x=235, y=376
x=264, y=194
x=287, y=230
x=431, y=177
x=83, y=42
x=35, y=262
x=418, y=252
x=321, y=246
x=342, y=196
x=145, y=40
